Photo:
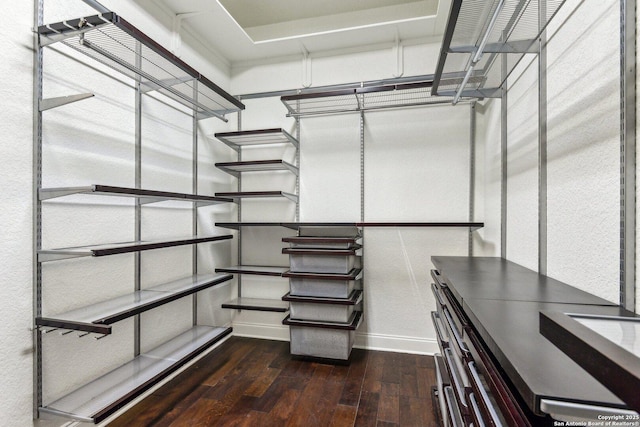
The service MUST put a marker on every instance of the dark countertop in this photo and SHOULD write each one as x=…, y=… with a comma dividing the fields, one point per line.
x=496, y=278
x=537, y=368
x=503, y=300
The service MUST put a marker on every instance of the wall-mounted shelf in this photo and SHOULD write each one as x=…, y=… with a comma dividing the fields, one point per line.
x=296, y=225
x=257, y=304
x=235, y=168
x=258, y=195
x=111, y=40
x=121, y=248
x=256, y=270
x=97, y=318
x=243, y=138
x=100, y=398
x=147, y=196
x=478, y=33
x=361, y=99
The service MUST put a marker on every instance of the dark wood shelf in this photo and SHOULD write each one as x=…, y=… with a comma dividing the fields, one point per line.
x=257, y=270
x=149, y=196
x=122, y=248
x=296, y=225
x=257, y=304
x=239, y=139
x=235, y=168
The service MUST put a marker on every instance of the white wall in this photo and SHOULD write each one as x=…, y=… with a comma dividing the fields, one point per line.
x=583, y=151
x=15, y=215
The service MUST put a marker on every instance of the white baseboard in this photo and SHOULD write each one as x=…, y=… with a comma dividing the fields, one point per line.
x=394, y=343
x=261, y=330
x=397, y=343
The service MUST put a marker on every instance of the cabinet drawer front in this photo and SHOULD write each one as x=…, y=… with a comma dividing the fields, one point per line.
x=459, y=380
x=442, y=381
x=505, y=401
x=482, y=398
x=437, y=292
x=437, y=277
x=443, y=341
x=454, y=412
x=476, y=413
x=455, y=336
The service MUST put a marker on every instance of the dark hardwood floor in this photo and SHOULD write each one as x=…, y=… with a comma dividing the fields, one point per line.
x=252, y=382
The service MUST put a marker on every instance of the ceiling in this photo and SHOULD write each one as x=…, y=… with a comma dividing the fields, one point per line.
x=250, y=30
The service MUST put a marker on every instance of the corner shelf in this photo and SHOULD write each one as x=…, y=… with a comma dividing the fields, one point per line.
x=257, y=304
x=111, y=40
x=97, y=318
x=256, y=270
x=45, y=255
x=361, y=99
x=149, y=196
x=478, y=33
x=239, y=139
x=97, y=400
x=235, y=168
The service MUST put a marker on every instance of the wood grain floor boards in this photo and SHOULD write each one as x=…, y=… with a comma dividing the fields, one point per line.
x=250, y=382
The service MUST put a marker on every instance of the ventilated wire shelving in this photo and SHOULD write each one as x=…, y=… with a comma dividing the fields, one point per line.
x=111, y=40
x=485, y=40
x=361, y=99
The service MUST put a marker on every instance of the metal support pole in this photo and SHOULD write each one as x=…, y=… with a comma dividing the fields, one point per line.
x=239, y=183
x=37, y=211
x=297, y=119
x=194, y=209
x=503, y=161
x=138, y=207
x=628, y=154
x=472, y=171
x=362, y=161
x=542, y=142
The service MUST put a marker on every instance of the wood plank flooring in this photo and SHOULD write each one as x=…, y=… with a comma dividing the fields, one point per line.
x=252, y=382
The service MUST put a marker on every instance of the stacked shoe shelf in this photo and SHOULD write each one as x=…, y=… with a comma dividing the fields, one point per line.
x=325, y=296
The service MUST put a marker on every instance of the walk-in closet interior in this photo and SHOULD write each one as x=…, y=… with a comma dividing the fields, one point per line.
x=392, y=189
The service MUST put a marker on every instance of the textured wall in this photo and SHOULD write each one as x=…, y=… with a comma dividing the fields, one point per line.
x=15, y=216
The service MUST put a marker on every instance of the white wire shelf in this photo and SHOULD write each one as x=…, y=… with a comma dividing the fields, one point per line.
x=243, y=138
x=361, y=99
x=235, y=168
x=483, y=37
x=97, y=400
x=111, y=40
